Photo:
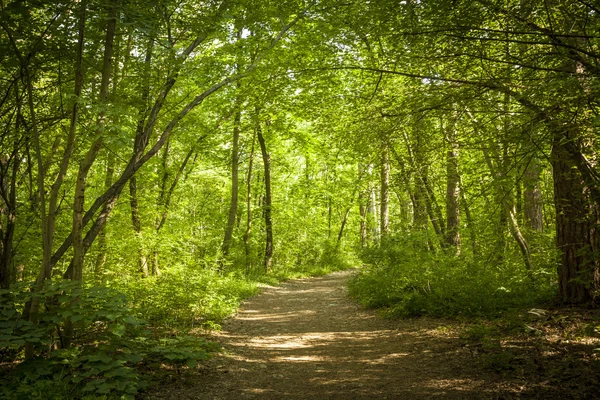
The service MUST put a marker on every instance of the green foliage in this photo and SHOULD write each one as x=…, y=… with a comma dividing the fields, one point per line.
x=186, y=297
x=322, y=259
x=111, y=343
x=407, y=281
x=182, y=350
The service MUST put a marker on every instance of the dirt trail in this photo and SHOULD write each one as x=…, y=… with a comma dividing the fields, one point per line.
x=307, y=340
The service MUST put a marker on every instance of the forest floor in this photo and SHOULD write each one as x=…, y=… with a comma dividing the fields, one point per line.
x=306, y=339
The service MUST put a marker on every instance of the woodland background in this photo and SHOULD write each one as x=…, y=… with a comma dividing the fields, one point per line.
x=161, y=159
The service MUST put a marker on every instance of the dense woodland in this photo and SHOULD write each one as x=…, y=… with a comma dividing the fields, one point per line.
x=158, y=159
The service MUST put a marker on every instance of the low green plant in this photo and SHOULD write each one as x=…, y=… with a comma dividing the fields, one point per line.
x=183, y=298
x=109, y=343
x=405, y=280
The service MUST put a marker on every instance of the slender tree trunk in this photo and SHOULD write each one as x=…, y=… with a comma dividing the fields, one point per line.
x=433, y=208
x=137, y=227
x=10, y=209
x=249, y=206
x=470, y=222
x=31, y=311
x=102, y=240
x=372, y=212
x=138, y=147
x=507, y=208
x=424, y=202
x=90, y=157
x=515, y=231
x=363, y=220
x=268, y=223
x=363, y=200
x=79, y=248
x=385, y=191
x=346, y=214
x=533, y=196
x=452, y=193
x=235, y=164
x=518, y=197
x=419, y=207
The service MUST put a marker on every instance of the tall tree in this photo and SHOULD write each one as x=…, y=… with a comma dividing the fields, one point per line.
x=268, y=260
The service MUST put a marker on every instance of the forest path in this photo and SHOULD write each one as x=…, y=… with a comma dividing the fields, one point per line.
x=306, y=339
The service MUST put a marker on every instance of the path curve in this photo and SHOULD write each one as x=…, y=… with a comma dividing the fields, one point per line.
x=307, y=340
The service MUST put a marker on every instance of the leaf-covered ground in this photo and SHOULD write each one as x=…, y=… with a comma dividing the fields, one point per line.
x=307, y=340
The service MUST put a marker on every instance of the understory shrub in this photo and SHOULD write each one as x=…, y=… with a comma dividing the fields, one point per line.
x=407, y=280
x=186, y=297
x=110, y=344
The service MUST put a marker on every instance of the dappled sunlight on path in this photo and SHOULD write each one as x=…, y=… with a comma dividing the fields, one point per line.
x=308, y=340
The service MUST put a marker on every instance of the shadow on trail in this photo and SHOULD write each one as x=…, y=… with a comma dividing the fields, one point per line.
x=308, y=340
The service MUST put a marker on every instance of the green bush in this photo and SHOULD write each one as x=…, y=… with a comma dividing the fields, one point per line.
x=109, y=344
x=184, y=298
x=406, y=280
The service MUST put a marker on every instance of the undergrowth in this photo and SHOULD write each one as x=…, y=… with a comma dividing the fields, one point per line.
x=404, y=279
x=127, y=329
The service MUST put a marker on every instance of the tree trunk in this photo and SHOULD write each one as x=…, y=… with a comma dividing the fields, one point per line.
x=385, y=191
x=452, y=193
x=515, y=231
x=267, y=205
x=9, y=208
x=576, y=226
x=470, y=222
x=505, y=201
x=137, y=227
x=363, y=200
x=346, y=214
x=79, y=248
x=363, y=220
x=102, y=241
x=249, y=206
x=421, y=205
x=138, y=148
x=424, y=202
x=234, y=184
x=372, y=212
x=90, y=157
x=533, y=196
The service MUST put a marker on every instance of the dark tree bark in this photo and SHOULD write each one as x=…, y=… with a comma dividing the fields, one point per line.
x=8, y=208
x=576, y=225
x=267, y=203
